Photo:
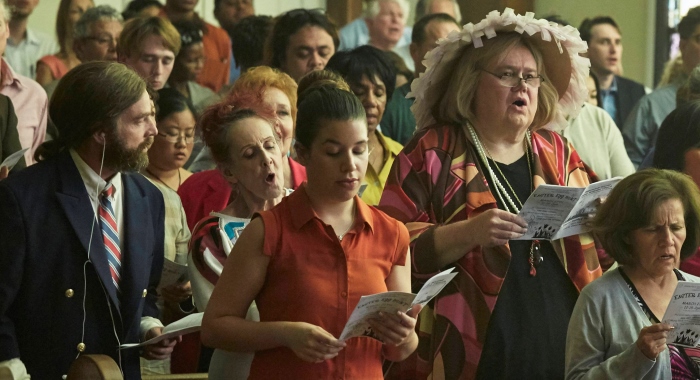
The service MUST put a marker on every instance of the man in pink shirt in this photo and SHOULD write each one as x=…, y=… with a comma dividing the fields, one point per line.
x=27, y=96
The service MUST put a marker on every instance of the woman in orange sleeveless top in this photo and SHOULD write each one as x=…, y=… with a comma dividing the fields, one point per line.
x=52, y=67
x=308, y=261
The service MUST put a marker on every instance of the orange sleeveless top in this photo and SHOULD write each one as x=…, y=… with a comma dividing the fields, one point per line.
x=315, y=278
x=57, y=67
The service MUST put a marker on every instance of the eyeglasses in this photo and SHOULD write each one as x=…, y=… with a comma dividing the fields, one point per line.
x=102, y=40
x=510, y=80
x=175, y=138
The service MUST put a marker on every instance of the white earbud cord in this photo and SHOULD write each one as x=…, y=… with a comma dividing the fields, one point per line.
x=109, y=305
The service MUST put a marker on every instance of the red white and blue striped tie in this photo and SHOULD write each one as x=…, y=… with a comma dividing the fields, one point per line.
x=110, y=235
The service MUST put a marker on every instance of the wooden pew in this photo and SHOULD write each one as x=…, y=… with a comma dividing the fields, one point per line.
x=97, y=367
x=103, y=367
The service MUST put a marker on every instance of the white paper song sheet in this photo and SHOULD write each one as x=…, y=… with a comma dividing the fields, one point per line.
x=554, y=212
x=683, y=313
x=173, y=273
x=13, y=159
x=391, y=302
x=189, y=324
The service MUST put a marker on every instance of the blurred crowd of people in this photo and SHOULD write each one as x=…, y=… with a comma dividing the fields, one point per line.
x=284, y=167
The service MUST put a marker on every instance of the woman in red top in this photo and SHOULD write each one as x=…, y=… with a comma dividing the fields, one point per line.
x=308, y=261
x=243, y=142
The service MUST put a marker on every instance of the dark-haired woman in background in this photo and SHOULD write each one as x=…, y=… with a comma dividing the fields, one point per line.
x=678, y=148
x=649, y=223
x=323, y=246
x=593, y=90
x=171, y=148
x=372, y=77
x=678, y=141
x=301, y=41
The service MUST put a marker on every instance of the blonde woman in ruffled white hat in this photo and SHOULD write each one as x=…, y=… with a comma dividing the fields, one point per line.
x=485, y=108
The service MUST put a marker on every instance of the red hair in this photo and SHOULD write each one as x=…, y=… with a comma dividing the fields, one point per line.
x=217, y=120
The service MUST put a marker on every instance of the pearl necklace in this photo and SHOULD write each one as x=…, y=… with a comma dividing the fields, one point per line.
x=535, y=256
x=501, y=191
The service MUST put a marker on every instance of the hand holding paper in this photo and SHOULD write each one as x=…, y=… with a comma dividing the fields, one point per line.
x=495, y=227
x=190, y=323
x=652, y=339
x=162, y=349
x=176, y=293
x=173, y=274
x=395, y=329
x=312, y=343
x=391, y=303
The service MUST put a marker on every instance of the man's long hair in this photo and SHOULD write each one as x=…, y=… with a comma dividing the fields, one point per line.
x=88, y=99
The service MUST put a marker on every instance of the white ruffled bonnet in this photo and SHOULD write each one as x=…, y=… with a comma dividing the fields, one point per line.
x=567, y=72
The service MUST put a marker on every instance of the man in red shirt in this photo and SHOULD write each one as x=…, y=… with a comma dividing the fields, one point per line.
x=217, y=45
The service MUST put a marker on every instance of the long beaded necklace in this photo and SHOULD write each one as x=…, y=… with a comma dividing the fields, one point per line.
x=535, y=256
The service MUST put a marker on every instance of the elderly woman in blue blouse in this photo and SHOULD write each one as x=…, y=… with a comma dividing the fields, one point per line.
x=649, y=223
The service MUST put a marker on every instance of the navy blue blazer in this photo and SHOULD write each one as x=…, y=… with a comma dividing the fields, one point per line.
x=628, y=94
x=45, y=222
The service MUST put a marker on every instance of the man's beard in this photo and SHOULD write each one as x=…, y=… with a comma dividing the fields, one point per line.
x=119, y=158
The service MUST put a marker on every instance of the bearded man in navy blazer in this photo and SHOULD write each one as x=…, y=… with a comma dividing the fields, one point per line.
x=62, y=294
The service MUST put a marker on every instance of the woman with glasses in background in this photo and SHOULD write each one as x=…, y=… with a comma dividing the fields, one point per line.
x=483, y=108
x=96, y=34
x=171, y=148
x=301, y=41
x=187, y=67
